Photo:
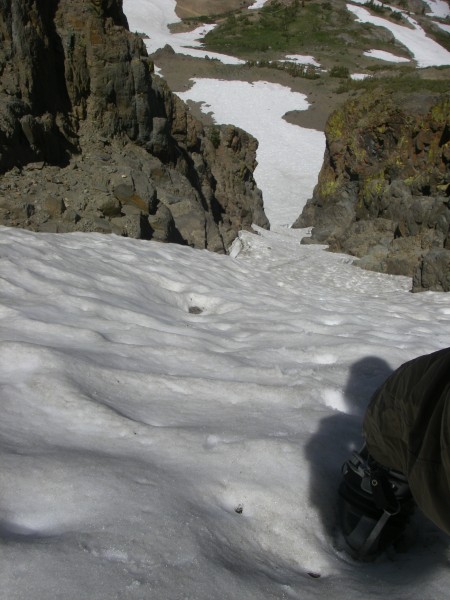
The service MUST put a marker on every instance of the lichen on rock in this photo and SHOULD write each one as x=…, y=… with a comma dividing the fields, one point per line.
x=383, y=193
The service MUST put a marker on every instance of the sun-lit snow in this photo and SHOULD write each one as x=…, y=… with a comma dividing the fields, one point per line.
x=153, y=18
x=289, y=157
x=190, y=43
x=303, y=59
x=150, y=451
x=258, y=4
x=442, y=26
x=174, y=421
x=426, y=51
x=438, y=8
x=387, y=56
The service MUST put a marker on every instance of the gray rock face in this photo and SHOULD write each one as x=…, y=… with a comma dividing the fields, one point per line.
x=92, y=140
x=434, y=272
x=383, y=193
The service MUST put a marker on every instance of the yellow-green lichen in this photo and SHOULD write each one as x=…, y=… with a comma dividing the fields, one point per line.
x=327, y=188
x=336, y=125
x=440, y=113
x=372, y=188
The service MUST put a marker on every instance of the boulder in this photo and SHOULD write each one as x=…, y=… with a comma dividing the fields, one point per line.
x=78, y=95
x=433, y=273
x=383, y=189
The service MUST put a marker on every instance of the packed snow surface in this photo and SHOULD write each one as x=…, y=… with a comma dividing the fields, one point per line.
x=174, y=421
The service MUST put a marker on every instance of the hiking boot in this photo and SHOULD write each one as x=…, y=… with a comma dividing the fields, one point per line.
x=375, y=505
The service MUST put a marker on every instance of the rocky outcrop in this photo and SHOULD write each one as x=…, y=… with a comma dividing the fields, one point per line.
x=383, y=193
x=92, y=140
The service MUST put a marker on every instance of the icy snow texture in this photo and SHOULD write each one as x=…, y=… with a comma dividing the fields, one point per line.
x=359, y=76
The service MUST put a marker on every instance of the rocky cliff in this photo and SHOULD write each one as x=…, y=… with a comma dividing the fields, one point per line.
x=383, y=193
x=92, y=140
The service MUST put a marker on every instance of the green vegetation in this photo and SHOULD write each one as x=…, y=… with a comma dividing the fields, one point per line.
x=378, y=8
x=407, y=83
x=294, y=69
x=341, y=72
x=385, y=11
x=441, y=111
x=281, y=28
x=328, y=31
x=214, y=136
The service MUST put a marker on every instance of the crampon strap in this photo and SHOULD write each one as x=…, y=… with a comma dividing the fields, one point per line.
x=375, y=493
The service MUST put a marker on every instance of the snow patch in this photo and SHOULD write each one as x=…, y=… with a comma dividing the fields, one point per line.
x=359, y=76
x=387, y=56
x=426, y=51
x=258, y=4
x=153, y=18
x=303, y=59
x=438, y=8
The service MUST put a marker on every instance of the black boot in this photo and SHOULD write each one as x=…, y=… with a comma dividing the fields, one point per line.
x=375, y=506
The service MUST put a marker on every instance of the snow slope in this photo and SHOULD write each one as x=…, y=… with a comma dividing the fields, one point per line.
x=174, y=421
x=438, y=8
x=153, y=18
x=132, y=429
x=425, y=51
x=383, y=55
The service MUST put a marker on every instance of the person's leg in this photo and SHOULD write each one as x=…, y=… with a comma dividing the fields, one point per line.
x=407, y=434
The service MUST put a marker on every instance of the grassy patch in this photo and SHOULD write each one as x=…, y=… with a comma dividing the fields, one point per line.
x=293, y=69
x=282, y=28
x=407, y=83
x=340, y=71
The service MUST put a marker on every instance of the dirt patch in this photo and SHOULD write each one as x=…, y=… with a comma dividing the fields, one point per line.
x=187, y=9
x=179, y=70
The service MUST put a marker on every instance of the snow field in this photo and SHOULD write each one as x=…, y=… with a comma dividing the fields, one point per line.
x=426, y=52
x=150, y=449
x=153, y=18
x=153, y=452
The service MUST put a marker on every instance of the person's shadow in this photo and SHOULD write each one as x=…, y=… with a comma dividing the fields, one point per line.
x=336, y=438
x=340, y=434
